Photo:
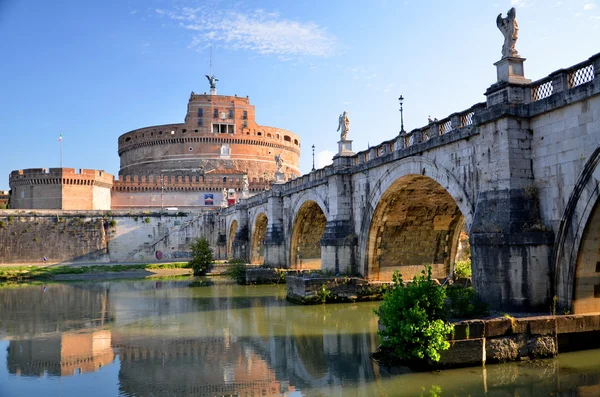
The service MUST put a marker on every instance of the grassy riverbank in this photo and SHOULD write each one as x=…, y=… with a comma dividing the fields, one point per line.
x=21, y=273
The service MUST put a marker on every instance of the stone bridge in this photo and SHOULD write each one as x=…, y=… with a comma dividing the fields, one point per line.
x=518, y=174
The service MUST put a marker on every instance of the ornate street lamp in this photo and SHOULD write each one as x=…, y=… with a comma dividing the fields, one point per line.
x=313, y=149
x=401, y=100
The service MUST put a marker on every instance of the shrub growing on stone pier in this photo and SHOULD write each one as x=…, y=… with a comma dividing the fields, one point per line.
x=413, y=317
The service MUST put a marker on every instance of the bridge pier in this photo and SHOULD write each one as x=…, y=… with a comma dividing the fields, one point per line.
x=339, y=242
x=511, y=247
x=275, y=247
x=511, y=252
x=241, y=241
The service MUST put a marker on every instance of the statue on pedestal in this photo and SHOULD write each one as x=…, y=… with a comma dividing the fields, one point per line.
x=212, y=81
x=245, y=183
x=510, y=29
x=224, y=199
x=343, y=125
x=279, y=162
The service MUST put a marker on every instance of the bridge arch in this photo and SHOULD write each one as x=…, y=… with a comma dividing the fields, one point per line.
x=233, y=227
x=307, y=230
x=415, y=215
x=259, y=234
x=576, y=248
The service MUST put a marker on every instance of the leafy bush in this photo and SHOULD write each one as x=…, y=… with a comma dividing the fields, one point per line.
x=146, y=220
x=413, y=317
x=462, y=269
x=112, y=223
x=237, y=271
x=464, y=302
x=202, y=256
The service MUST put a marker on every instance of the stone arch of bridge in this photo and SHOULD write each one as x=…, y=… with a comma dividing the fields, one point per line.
x=576, y=255
x=259, y=234
x=414, y=216
x=307, y=230
x=233, y=227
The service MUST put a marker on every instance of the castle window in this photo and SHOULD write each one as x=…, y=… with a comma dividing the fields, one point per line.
x=224, y=179
x=259, y=133
x=245, y=114
x=269, y=135
x=199, y=123
x=230, y=113
x=191, y=149
x=127, y=139
x=245, y=123
x=295, y=142
x=287, y=138
x=216, y=113
x=199, y=112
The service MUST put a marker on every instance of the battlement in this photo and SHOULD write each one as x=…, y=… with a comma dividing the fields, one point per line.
x=187, y=182
x=60, y=176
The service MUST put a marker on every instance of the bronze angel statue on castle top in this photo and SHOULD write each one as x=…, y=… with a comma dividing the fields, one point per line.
x=212, y=80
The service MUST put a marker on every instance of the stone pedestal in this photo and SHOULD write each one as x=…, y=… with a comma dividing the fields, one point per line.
x=344, y=149
x=213, y=91
x=279, y=177
x=510, y=69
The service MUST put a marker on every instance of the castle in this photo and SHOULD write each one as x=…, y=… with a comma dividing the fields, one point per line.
x=217, y=155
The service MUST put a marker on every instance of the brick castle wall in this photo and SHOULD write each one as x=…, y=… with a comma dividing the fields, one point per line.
x=60, y=188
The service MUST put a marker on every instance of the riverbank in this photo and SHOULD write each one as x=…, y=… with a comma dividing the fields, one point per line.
x=91, y=272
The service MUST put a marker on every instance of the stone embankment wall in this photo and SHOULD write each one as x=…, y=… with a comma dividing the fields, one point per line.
x=504, y=339
x=101, y=236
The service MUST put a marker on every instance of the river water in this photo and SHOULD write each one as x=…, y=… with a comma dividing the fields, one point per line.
x=184, y=338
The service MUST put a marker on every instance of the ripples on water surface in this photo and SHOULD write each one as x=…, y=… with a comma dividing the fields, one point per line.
x=178, y=338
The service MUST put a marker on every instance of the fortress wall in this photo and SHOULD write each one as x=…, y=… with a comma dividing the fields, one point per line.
x=60, y=188
x=98, y=236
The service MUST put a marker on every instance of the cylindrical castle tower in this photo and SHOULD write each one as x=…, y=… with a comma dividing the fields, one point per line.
x=219, y=134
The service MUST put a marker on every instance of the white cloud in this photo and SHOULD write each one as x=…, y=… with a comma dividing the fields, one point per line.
x=258, y=31
x=323, y=158
x=520, y=3
x=589, y=6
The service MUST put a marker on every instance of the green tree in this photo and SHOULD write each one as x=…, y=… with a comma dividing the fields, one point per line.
x=202, y=256
x=413, y=317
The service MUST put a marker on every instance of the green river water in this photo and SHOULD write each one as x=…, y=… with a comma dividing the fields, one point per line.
x=183, y=338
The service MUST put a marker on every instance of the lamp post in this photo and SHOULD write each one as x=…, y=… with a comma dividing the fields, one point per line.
x=313, y=150
x=401, y=100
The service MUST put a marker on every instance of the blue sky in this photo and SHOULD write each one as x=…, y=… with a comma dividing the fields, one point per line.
x=93, y=70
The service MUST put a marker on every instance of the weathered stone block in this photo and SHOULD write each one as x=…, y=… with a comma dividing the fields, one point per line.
x=501, y=349
x=542, y=346
x=463, y=353
x=469, y=330
x=497, y=327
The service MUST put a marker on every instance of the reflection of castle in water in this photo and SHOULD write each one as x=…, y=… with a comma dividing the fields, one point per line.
x=194, y=367
x=67, y=354
x=36, y=310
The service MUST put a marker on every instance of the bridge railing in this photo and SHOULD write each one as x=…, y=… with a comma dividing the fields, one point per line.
x=565, y=79
x=439, y=127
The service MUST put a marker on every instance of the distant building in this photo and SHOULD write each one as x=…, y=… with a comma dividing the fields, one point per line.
x=185, y=165
x=4, y=198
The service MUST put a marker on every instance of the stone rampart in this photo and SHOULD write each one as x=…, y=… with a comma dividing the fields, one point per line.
x=60, y=188
x=101, y=236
